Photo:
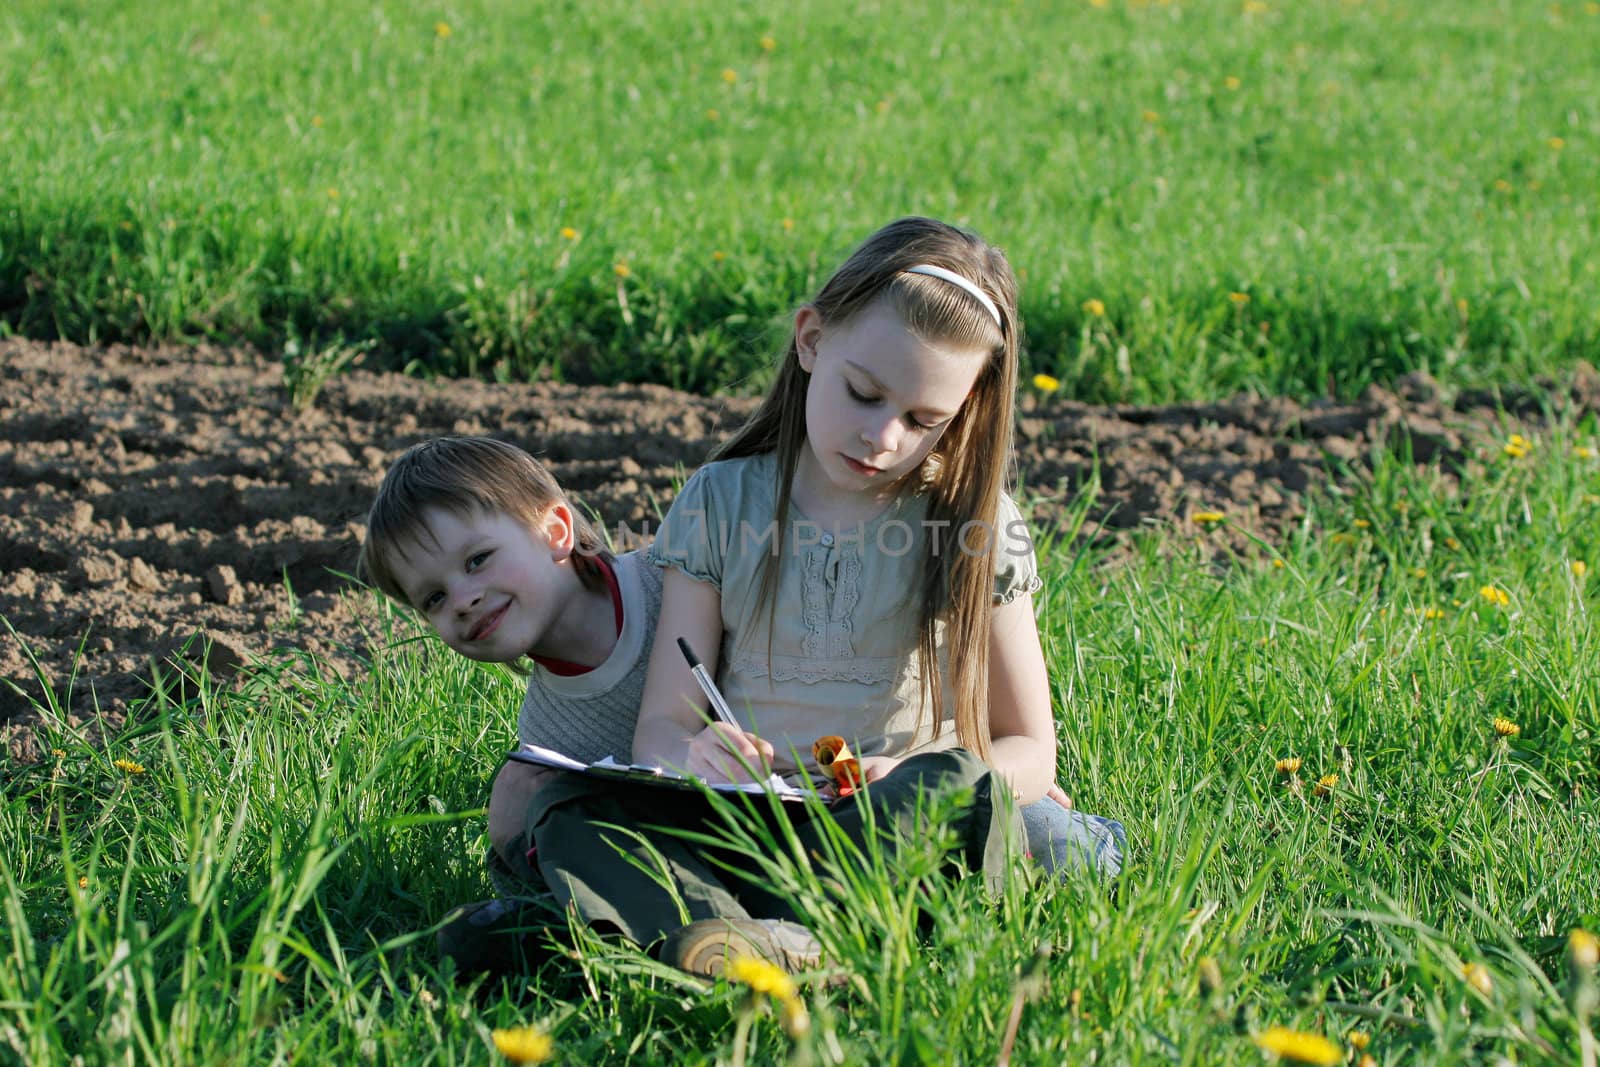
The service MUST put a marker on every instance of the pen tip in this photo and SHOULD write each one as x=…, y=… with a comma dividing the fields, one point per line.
x=688, y=653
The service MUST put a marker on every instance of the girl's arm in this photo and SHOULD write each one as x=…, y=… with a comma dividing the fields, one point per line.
x=672, y=730
x=1022, y=736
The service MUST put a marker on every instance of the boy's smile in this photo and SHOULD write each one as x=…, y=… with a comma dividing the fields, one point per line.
x=493, y=588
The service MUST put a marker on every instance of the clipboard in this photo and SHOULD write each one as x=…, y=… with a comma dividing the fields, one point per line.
x=658, y=777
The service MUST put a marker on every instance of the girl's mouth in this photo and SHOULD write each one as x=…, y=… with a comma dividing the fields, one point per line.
x=859, y=467
x=487, y=624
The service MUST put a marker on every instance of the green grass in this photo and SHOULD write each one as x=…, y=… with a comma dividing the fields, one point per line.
x=1380, y=180
x=263, y=891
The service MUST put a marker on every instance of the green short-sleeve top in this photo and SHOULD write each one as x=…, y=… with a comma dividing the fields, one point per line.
x=844, y=626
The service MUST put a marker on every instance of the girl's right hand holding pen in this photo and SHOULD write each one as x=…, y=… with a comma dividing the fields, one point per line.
x=724, y=753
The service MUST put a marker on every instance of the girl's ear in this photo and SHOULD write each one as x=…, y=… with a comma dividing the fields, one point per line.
x=807, y=331
x=558, y=530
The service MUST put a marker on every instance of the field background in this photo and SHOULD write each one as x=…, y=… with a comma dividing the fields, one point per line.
x=1300, y=199
x=1391, y=185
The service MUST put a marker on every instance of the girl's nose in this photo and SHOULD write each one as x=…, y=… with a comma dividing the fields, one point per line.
x=466, y=598
x=882, y=435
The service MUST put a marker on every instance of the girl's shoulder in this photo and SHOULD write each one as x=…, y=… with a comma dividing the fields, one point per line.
x=735, y=482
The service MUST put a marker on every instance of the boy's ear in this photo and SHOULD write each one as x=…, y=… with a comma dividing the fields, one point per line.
x=807, y=331
x=559, y=530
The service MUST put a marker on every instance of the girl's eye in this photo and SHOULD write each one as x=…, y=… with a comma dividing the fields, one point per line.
x=477, y=561
x=431, y=601
x=857, y=397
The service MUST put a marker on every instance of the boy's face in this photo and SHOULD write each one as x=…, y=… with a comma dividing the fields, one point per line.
x=491, y=586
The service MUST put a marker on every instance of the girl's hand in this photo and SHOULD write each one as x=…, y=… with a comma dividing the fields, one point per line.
x=875, y=767
x=723, y=753
x=1059, y=795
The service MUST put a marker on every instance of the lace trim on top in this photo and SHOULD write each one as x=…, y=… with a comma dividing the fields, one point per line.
x=753, y=664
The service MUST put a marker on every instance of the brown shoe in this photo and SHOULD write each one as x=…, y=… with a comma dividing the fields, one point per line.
x=704, y=947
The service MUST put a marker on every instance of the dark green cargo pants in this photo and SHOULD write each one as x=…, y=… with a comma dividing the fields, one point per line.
x=603, y=874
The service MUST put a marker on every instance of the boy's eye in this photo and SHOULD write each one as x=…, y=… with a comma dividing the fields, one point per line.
x=477, y=560
x=431, y=601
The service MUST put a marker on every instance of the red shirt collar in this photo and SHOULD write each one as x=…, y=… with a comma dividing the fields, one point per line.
x=566, y=669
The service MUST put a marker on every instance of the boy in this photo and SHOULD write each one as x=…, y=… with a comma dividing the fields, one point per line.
x=478, y=538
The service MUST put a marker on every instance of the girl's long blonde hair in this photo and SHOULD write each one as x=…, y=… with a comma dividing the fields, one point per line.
x=965, y=476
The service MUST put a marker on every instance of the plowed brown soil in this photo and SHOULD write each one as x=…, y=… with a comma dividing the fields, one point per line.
x=150, y=495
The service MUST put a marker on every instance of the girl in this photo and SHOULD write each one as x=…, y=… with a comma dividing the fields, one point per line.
x=850, y=563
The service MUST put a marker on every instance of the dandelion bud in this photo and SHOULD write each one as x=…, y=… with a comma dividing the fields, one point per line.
x=1477, y=976
x=1583, y=950
x=1210, y=977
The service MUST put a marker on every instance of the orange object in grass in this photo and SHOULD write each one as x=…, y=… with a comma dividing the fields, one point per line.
x=834, y=757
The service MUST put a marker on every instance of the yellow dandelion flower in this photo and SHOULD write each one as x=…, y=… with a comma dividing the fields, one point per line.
x=1451, y=543
x=1362, y=524
x=1582, y=452
x=1206, y=518
x=127, y=766
x=1419, y=572
x=1495, y=595
x=441, y=29
x=1095, y=307
x=1341, y=538
x=622, y=270
x=1279, y=564
x=1298, y=1046
x=1502, y=186
x=1150, y=116
x=1591, y=8
x=59, y=753
x=1557, y=143
x=1514, y=451
x=568, y=233
x=83, y=881
x=1289, y=765
x=1433, y=614
x=761, y=976
x=1101, y=4
x=769, y=44
x=1231, y=83
x=1579, y=568
x=1045, y=383
x=1359, y=1039
x=1504, y=727
x=1255, y=7
x=730, y=75
x=316, y=120
x=881, y=106
x=1477, y=976
x=788, y=225
x=1239, y=300
x=1583, y=949
x=333, y=194
x=1462, y=305
x=718, y=257
x=1325, y=785
x=712, y=114
x=524, y=1044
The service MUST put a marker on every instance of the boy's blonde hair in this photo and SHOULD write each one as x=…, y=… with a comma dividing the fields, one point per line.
x=970, y=469
x=466, y=476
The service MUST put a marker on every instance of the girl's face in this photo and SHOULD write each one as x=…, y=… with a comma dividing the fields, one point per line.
x=879, y=397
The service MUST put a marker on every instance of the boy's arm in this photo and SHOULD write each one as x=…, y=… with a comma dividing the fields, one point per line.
x=672, y=730
x=1022, y=737
x=513, y=790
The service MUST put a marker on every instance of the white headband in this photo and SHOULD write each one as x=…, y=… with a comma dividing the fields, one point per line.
x=955, y=279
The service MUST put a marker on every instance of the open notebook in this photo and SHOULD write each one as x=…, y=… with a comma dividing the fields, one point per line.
x=648, y=775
